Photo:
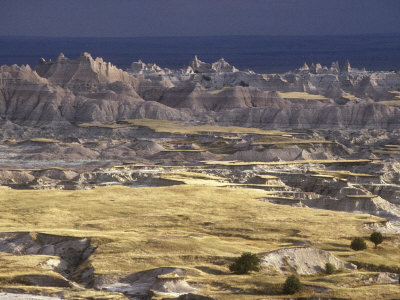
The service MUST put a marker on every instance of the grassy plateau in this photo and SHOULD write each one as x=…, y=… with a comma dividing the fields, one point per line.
x=198, y=227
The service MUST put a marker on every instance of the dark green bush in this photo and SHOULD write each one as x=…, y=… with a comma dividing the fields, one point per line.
x=292, y=285
x=245, y=263
x=329, y=268
x=376, y=238
x=206, y=78
x=358, y=243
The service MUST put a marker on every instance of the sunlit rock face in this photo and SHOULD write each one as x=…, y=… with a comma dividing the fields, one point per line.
x=92, y=90
x=85, y=69
x=80, y=90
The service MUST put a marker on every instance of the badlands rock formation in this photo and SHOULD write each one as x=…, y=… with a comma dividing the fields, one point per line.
x=84, y=70
x=91, y=90
x=76, y=124
x=74, y=91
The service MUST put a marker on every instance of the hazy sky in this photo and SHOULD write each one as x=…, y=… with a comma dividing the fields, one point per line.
x=197, y=17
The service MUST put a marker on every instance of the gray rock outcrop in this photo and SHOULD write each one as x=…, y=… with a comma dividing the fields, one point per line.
x=303, y=261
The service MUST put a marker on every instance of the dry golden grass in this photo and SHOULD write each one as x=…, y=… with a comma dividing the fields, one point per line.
x=388, y=150
x=362, y=196
x=396, y=94
x=338, y=174
x=353, y=286
x=12, y=266
x=182, y=128
x=216, y=92
x=44, y=140
x=323, y=176
x=68, y=293
x=394, y=147
x=349, y=96
x=292, y=162
x=10, y=141
x=301, y=95
x=195, y=178
x=197, y=227
x=268, y=177
x=283, y=140
x=109, y=126
x=179, y=127
x=395, y=103
x=186, y=150
x=14, y=272
x=274, y=196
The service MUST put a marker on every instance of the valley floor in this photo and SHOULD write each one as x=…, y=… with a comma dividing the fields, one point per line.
x=157, y=209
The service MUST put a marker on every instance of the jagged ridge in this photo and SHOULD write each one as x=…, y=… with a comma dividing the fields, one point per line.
x=91, y=90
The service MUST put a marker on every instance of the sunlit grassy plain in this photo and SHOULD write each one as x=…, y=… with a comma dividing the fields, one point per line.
x=338, y=174
x=285, y=140
x=196, y=227
x=291, y=162
x=181, y=128
x=199, y=226
x=395, y=103
x=388, y=150
x=301, y=95
x=216, y=92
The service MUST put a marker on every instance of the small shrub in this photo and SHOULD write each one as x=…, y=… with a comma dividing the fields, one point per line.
x=292, y=285
x=206, y=78
x=340, y=270
x=329, y=268
x=245, y=263
x=244, y=84
x=376, y=238
x=358, y=244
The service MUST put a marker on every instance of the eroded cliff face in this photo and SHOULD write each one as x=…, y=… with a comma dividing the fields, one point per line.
x=351, y=116
x=91, y=90
x=82, y=90
x=85, y=69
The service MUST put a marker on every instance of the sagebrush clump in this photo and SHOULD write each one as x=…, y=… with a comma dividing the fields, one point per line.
x=358, y=244
x=292, y=285
x=245, y=263
x=329, y=268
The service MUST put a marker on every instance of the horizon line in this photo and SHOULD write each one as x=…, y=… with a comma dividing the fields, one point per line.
x=204, y=36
